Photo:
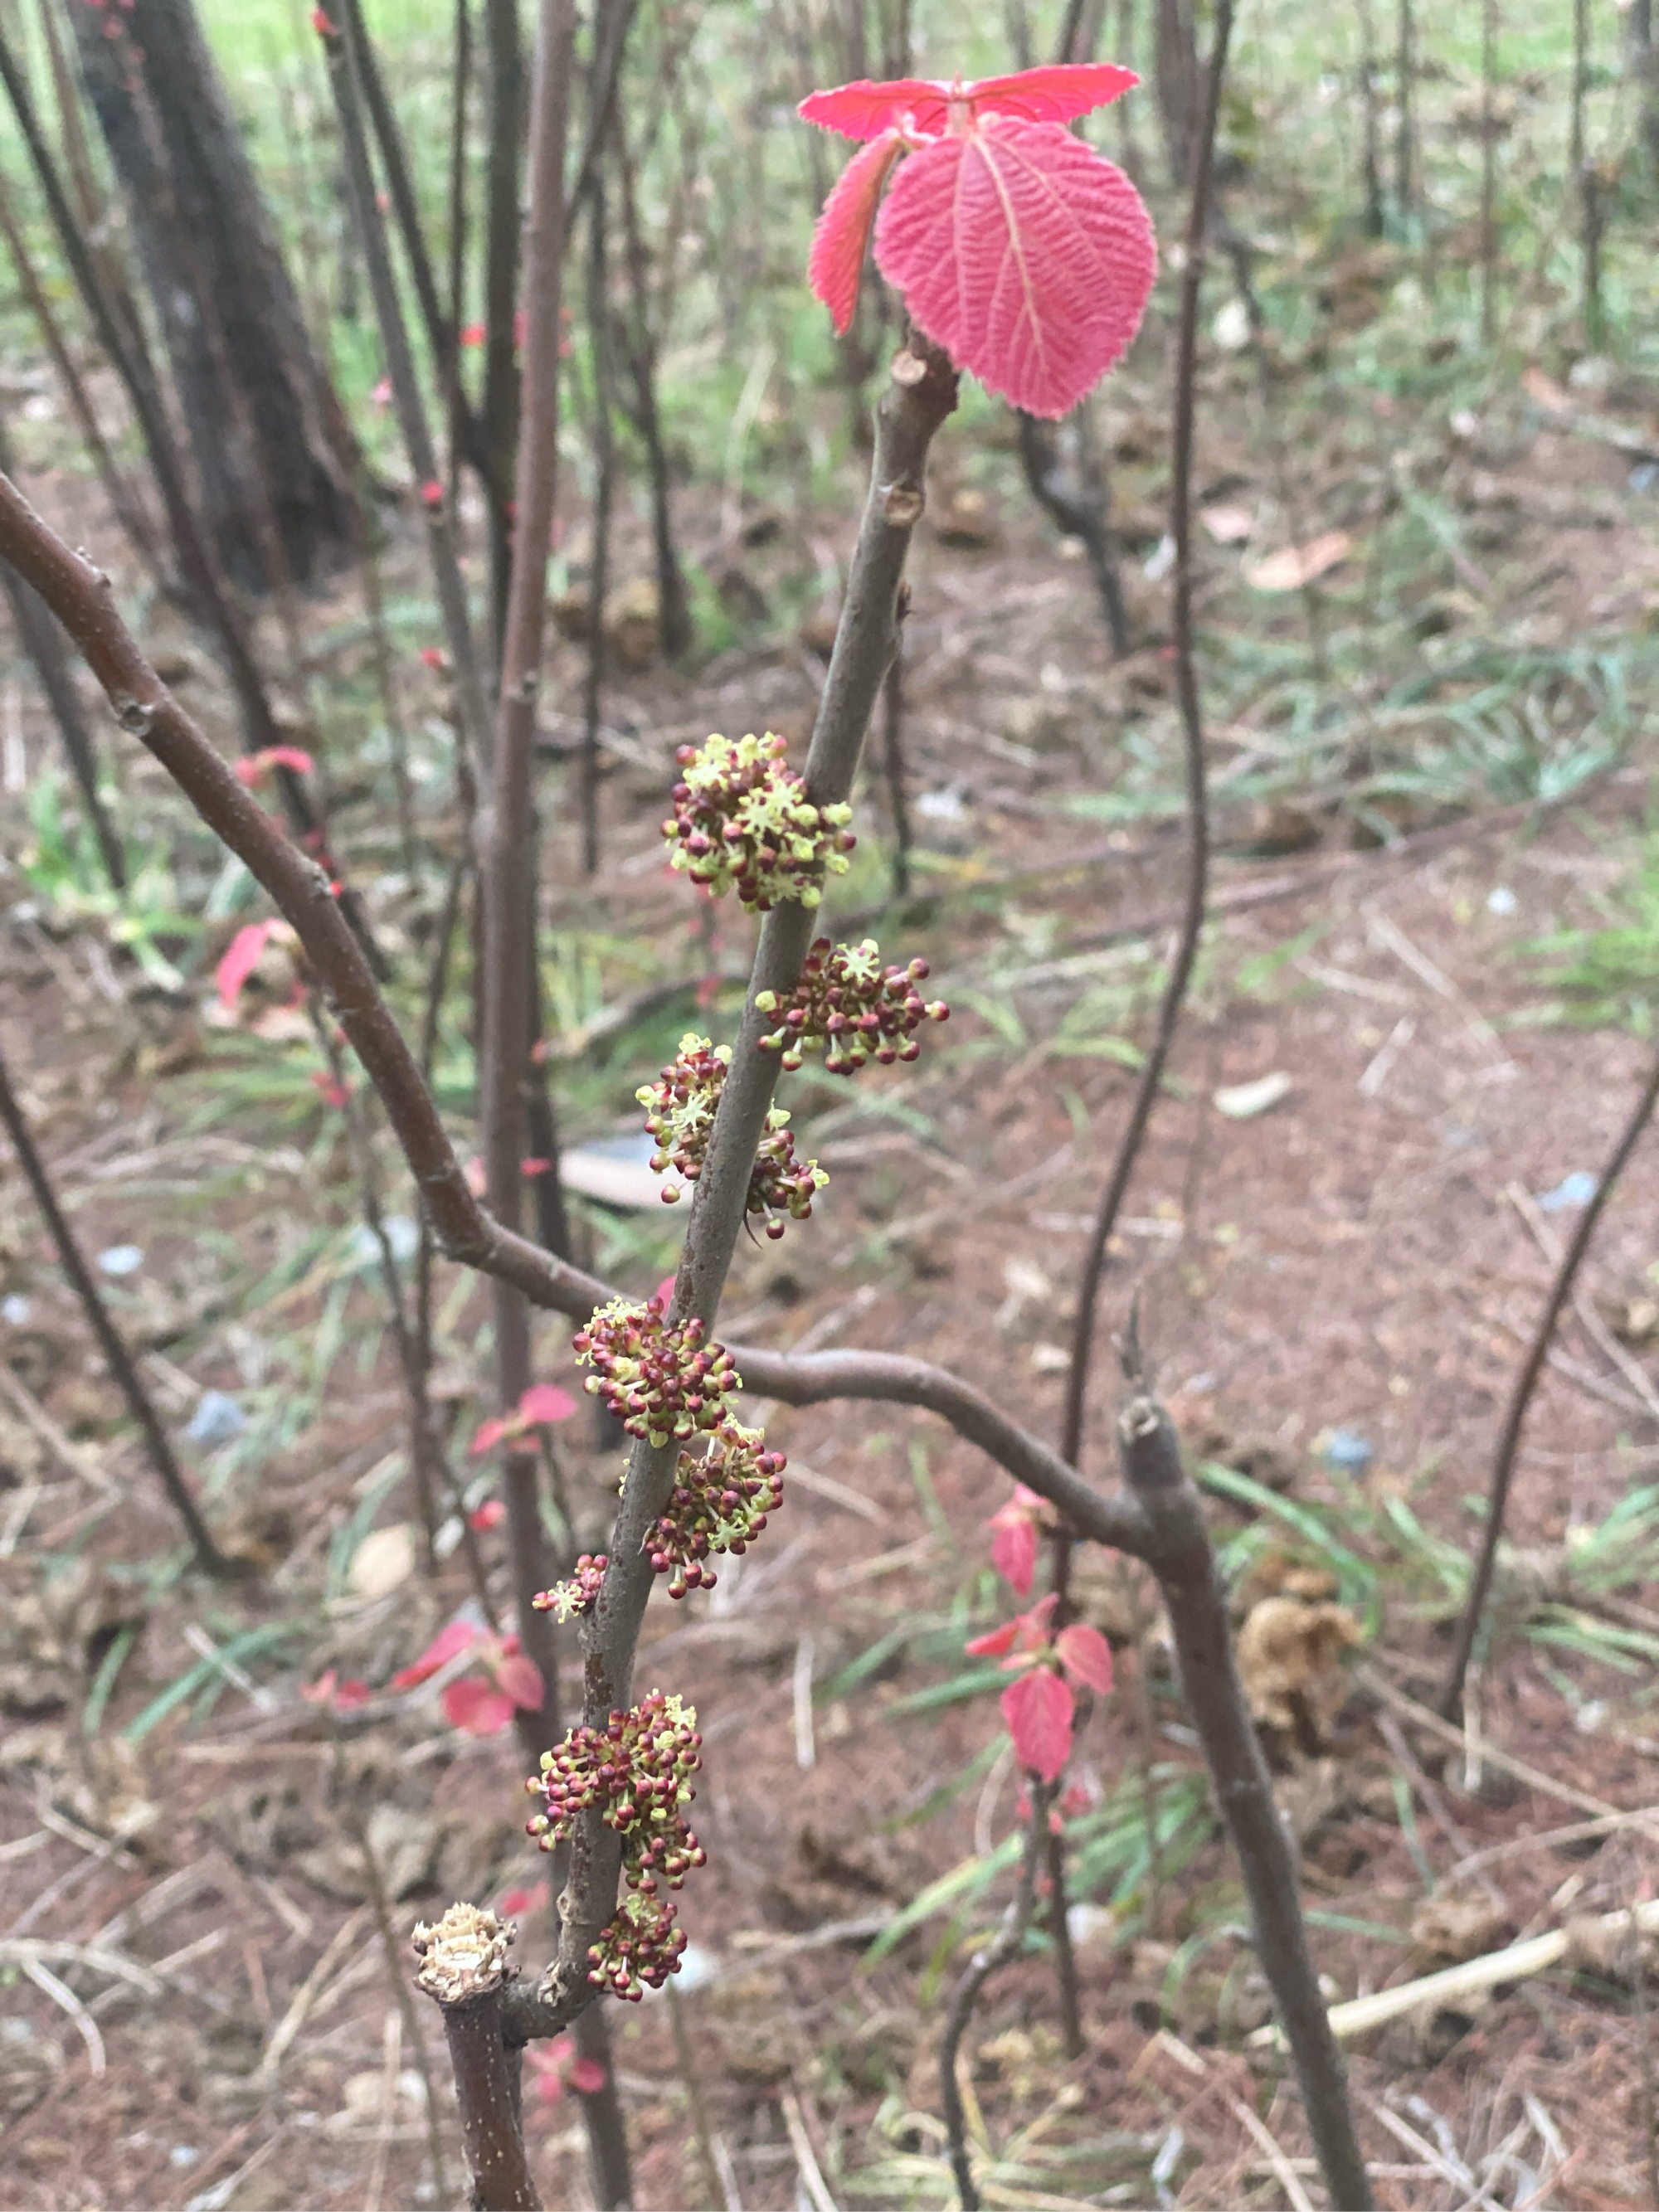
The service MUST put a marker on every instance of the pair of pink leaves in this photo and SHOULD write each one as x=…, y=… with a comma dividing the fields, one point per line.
x=481, y=1705
x=1038, y=1704
x=542, y=1404
x=1018, y=248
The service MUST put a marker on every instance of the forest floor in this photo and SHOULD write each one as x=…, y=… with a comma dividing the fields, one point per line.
x=1336, y=1287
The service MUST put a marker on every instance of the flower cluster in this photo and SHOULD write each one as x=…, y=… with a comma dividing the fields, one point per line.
x=637, y=1774
x=848, y=1001
x=742, y=817
x=719, y=1504
x=658, y=1377
x=565, y=1600
x=682, y=1100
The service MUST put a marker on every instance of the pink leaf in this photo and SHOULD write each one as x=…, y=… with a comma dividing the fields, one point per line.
x=586, y=2076
x=521, y=1678
x=995, y=1644
x=476, y=1706
x=1014, y=1548
x=1038, y=1711
x=443, y=1647
x=514, y=1901
x=547, y=2062
x=1053, y=95
x=836, y=263
x=1022, y=252
x=664, y=1293
x=351, y=1695
x=545, y=1401
x=239, y=960
x=865, y=110
x=1086, y=1656
x=473, y=335
x=490, y=1434
x=491, y=1515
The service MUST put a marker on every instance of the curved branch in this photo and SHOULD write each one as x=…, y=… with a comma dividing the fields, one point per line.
x=1503, y=1471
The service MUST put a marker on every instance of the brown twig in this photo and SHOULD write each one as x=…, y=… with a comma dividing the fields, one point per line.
x=208, y=1556
x=1498, y=1489
x=1180, y=1555
x=474, y=714
x=1004, y=1946
x=463, y=1969
x=1197, y=827
x=507, y=830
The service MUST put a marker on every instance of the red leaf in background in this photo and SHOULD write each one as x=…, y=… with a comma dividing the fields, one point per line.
x=545, y=1401
x=514, y=1901
x=547, y=2062
x=490, y=1513
x=1038, y=1711
x=477, y=1707
x=1014, y=1549
x=432, y=492
x=836, y=263
x=490, y=1434
x=442, y=1649
x=586, y=2076
x=535, y=1167
x=473, y=335
x=241, y=958
x=1086, y=1656
x=1054, y=94
x=993, y=1645
x=1022, y=252
x=521, y=1678
x=431, y=656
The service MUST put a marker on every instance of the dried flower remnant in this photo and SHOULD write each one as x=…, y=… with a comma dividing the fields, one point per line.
x=718, y=1504
x=1023, y=253
x=742, y=820
x=847, y=1002
x=636, y=1773
x=660, y=1378
x=682, y=1100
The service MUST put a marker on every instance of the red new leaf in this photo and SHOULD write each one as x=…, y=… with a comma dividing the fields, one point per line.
x=1038, y=1711
x=1054, y=94
x=843, y=231
x=1023, y=254
x=1014, y=1549
x=1086, y=1656
x=477, y=1707
x=521, y=1678
x=545, y=1401
x=239, y=961
x=442, y=1649
x=994, y=1643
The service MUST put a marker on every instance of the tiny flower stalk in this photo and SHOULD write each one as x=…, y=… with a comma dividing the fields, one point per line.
x=849, y=1005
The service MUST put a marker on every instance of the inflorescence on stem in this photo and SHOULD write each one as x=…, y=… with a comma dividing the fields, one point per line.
x=580, y=1593
x=846, y=1000
x=682, y=1100
x=719, y=1504
x=658, y=1377
x=636, y=1773
x=742, y=820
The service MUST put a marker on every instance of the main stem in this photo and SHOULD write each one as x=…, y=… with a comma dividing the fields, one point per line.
x=921, y=393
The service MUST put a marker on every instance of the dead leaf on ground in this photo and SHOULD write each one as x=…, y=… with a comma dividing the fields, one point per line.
x=1447, y=1930
x=1228, y=525
x=1243, y=1101
x=384, y=1559
x=1288, y=569
x=1290, y=1661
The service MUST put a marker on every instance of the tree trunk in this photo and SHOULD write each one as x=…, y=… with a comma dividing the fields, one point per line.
x=254, y=396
